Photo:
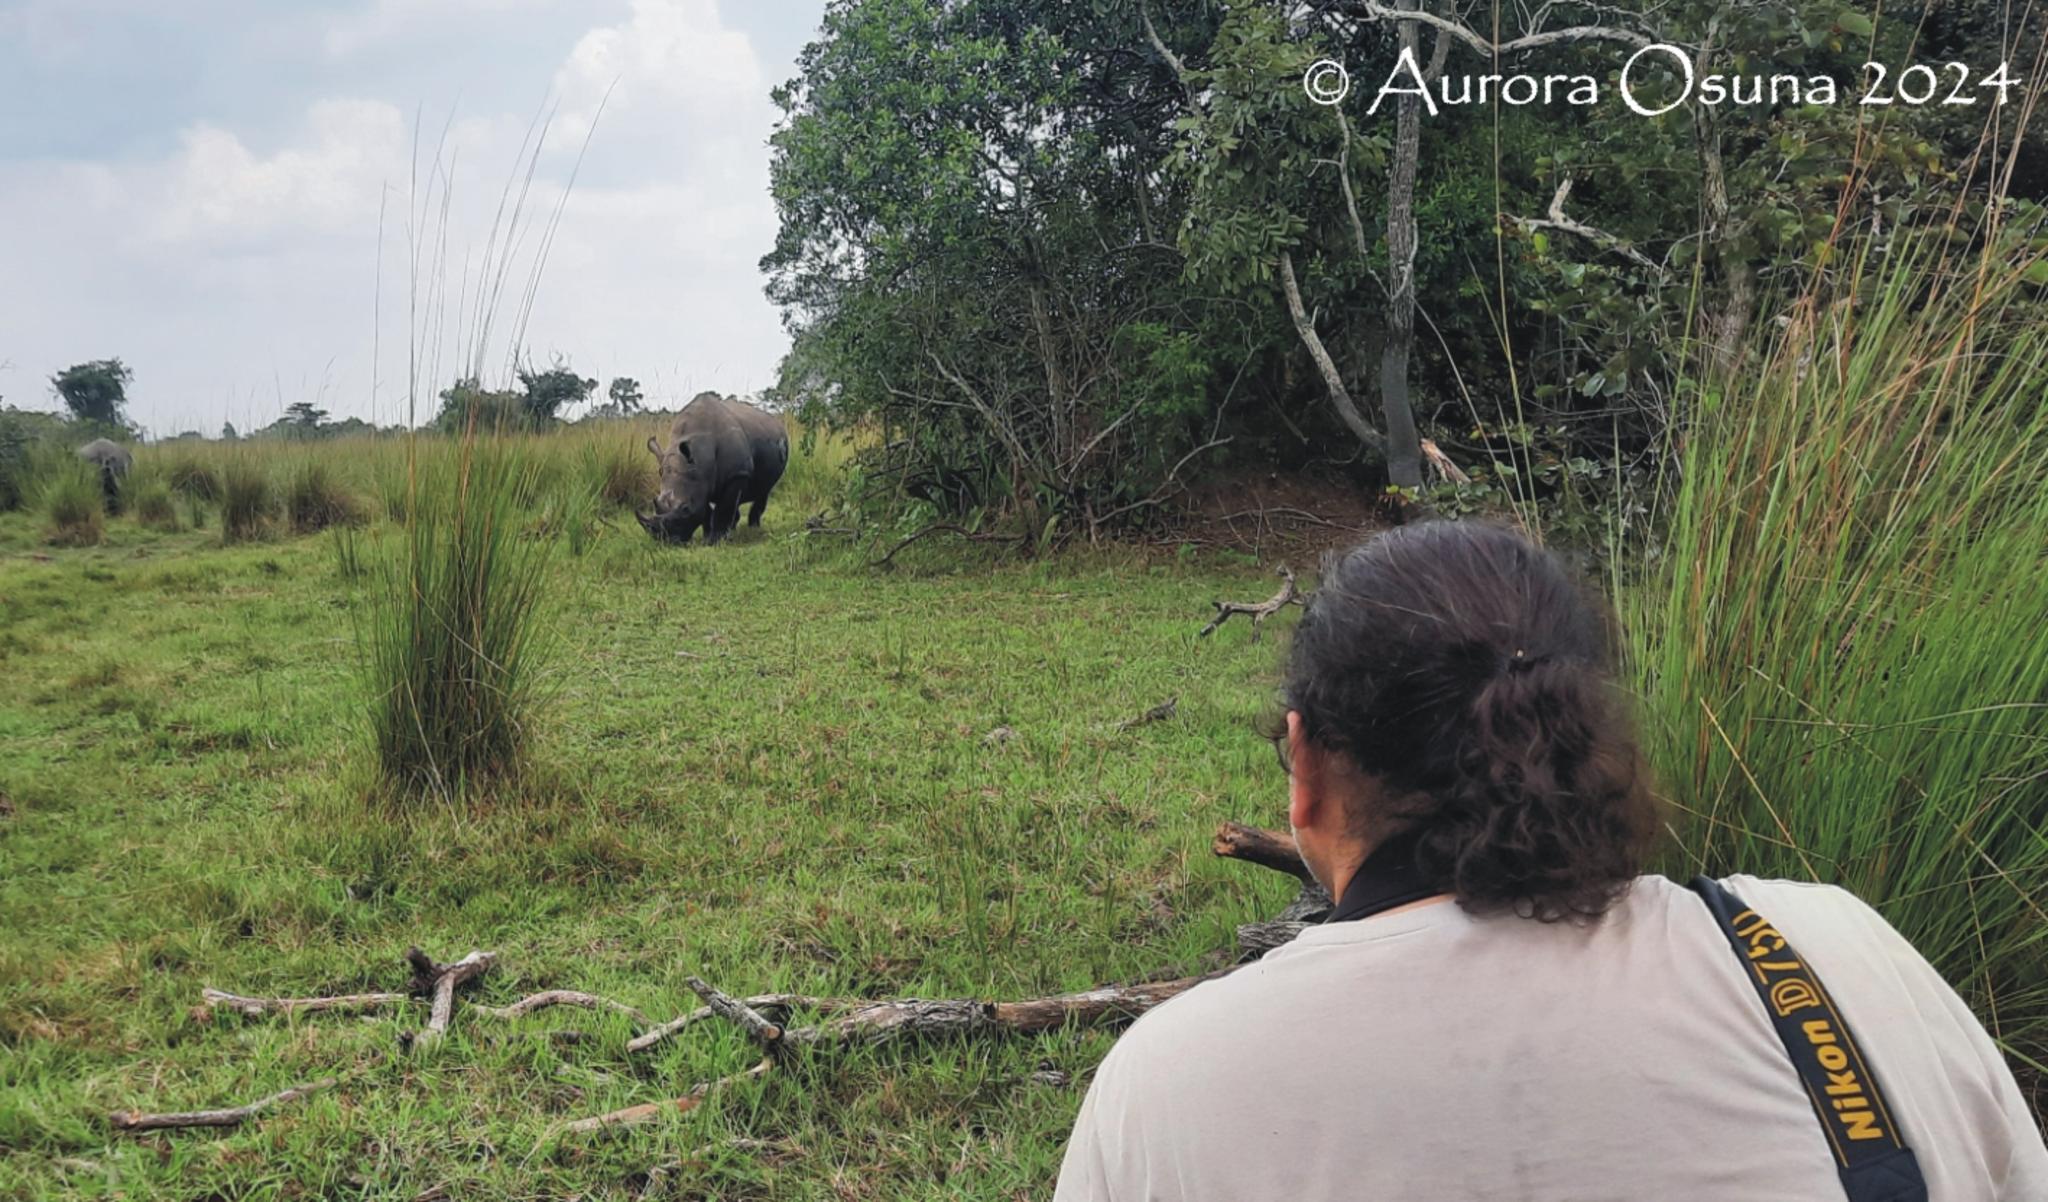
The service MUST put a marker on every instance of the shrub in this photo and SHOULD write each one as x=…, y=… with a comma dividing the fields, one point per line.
x=1841, y=656
x=449, y=647
x=71, y=498
x=315, y=500
x=247, y=502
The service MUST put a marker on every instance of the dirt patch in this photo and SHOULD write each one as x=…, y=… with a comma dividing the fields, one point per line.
x=1298, y=514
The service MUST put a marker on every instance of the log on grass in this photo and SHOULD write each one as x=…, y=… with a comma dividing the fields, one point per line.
x=562, y=997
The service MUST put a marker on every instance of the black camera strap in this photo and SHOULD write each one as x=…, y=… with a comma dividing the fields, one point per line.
x=1874, y=1161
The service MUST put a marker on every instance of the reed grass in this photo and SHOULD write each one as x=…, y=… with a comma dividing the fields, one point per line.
x=69, y=494
x=451, y=645
x=1842, y=655
x=248, y=501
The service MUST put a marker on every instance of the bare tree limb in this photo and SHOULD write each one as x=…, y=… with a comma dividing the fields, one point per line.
x=1225, y=610
x=562, y=997
x=448, y=978
x=1256, y=845
x=647, y=1112
x=735, y=1011
x=1558, y=220
x=1333, y=380
x=784, y=1002
x=1532, y=41
x=255, y=1007
x=1158, y=713
x=135, y=1120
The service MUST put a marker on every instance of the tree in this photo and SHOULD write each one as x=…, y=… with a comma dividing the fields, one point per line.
x=625, y=395
x=304, y=420
x=548, y=392
x=95, y=392
x=227, y=432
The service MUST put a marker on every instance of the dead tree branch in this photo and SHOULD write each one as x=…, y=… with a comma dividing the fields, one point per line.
x=783, y=1002
x=1532, y=41
x=647, y=1112
x=446, y=979
x=255, y=1007
x=562, y=997
x=135, y=1120
x=1256, y=845
x=737, y=1012
x=1333, y=380
x=948, y=528
x=1158, y=713
x=1558, y=220
x=1225, y=610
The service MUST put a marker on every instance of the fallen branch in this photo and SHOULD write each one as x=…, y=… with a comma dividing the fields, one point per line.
x=735, y=1011
x=1158, y=713
x=1256, y=845
x=1255, y=939
x=446, y=979
x=784, y=1002
x=255, y=1007
x=887, y=1022
x=647, y=1112
x=1225, y=610
x=562, y=997
x=972, y=536
x=135, y=1120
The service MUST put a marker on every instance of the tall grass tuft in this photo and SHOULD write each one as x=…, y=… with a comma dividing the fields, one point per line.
x=315, y=500
x=247, y=501
x=618, y=472
x=1842, y=655
x=70, y=496
x=153, y=503
x=450, y=648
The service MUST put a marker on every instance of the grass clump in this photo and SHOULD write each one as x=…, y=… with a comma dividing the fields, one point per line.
x=618, y=473
x=1842, y=653
x=73, y=502
x=154, y=505
x=247, y=502
x=315, y=500
x=450, y=647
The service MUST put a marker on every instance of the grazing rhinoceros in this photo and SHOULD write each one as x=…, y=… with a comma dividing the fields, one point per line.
x=720, y=454
x=113, y=461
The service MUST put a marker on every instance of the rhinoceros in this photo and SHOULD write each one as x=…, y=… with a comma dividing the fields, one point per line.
x=720, y=454
x=113, y=461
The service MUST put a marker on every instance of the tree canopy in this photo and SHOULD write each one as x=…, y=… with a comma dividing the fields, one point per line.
x=96, y=392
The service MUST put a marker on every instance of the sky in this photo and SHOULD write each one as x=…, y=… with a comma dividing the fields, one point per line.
x=258, y=202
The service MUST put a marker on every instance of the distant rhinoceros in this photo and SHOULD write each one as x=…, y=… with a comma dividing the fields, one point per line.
x=113, y=461
x=720, y=454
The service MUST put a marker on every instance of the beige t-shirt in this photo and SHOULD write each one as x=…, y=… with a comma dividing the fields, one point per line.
x=1431, y=1055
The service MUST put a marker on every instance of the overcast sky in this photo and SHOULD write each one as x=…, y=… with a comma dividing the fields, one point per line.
x=195, y=185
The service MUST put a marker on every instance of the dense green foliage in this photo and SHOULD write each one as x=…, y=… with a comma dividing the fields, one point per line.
x=1043, y=252
x=96, y=392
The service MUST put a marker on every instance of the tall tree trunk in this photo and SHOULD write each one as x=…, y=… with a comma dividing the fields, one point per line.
x=1724, y=319
x=1404, y=444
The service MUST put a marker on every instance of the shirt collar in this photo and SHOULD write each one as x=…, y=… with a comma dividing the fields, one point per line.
x=1388, y=878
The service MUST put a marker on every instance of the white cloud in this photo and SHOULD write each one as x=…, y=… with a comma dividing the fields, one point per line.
x=239, y=272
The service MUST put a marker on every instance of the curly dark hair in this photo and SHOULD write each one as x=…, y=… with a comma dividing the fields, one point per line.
x=1467, y=670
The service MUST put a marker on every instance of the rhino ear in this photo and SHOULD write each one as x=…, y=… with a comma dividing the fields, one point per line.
x=684, y=447
x=653, y=448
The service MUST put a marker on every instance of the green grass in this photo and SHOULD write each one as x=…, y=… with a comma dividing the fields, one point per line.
x=451, y=642
x=1842, y=657
x=73, y=503
x=760, y=762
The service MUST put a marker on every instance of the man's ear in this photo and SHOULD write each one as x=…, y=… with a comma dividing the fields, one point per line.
x=1304, y=776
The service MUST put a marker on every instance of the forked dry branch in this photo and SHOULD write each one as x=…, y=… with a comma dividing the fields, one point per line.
x=764, y=1018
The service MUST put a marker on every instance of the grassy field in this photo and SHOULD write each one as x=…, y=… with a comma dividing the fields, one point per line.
x=763, y=763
